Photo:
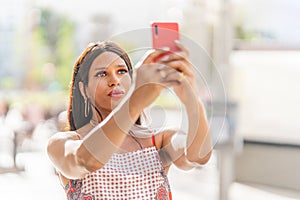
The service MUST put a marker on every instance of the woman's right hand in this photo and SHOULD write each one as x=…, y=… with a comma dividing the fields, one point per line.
x=149, y=80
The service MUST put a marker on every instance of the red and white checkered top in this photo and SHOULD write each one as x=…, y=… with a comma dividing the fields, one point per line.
x=132, y=175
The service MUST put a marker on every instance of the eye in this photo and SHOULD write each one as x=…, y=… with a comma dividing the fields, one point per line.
x=101, y=74
x=122, y=71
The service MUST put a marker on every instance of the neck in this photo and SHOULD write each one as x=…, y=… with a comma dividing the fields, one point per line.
x=99, y=114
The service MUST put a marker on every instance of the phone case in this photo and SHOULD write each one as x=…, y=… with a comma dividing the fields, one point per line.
x=164, y=34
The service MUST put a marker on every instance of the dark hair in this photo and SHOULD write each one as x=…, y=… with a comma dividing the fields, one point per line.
x=76, y=109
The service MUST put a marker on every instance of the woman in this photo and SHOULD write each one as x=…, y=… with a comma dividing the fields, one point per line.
x=103, y=156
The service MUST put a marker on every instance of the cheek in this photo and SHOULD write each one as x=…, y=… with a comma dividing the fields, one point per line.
x=126, y=82
x=97, y=90
x=101, y=87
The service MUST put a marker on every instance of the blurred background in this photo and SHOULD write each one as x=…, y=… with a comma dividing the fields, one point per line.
x=247, y=56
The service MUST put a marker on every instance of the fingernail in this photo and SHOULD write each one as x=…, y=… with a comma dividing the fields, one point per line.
x=161, y=66
x=177, y=41
x=165, y=58
x=165, y=48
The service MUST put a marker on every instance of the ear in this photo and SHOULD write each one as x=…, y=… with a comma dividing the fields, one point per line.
x=82, y=89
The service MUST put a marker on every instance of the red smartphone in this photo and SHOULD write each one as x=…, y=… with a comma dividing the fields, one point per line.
x=164, y=34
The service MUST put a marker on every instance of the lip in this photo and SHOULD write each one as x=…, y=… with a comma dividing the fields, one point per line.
x=116, y=93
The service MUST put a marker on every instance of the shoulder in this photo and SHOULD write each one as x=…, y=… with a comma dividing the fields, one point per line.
x=68, y=135
x=57, y=141
x=162, y=137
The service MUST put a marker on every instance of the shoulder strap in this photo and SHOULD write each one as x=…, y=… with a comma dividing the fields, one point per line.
x=153, y=140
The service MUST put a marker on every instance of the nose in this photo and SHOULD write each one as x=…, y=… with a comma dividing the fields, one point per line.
x=113, y=80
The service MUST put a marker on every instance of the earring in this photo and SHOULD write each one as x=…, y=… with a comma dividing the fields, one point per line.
x=86, y=107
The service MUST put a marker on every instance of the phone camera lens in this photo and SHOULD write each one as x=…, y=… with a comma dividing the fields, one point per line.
x=156, y=29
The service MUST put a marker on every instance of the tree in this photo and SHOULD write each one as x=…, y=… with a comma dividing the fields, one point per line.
x=53, y=51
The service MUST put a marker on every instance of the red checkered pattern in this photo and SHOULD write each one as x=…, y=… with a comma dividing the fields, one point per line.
x=133, y=175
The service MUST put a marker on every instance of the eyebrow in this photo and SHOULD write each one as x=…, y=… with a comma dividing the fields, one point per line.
x=118, y=66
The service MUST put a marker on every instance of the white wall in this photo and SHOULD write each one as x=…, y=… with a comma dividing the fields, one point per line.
x=266, y=85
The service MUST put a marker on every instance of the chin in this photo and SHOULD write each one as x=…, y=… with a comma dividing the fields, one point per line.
x=115, y=103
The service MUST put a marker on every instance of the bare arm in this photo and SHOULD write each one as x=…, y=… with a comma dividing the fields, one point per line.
x=74, y=157
x=61, y=150
x=173, y=150
x=198, y=142
x=199, y=147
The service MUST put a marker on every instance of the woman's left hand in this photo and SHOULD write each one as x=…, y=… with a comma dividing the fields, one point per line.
x=184, y=73
x=198, y=146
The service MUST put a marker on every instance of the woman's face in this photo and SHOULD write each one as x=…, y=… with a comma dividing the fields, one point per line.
x=109, y=82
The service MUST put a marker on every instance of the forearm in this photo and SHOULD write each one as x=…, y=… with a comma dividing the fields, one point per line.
x=198, y=140
x=99, y=145
x=61, y=150
x=74, y=156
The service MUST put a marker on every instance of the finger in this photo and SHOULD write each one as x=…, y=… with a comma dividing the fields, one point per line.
x=174, y=56
x=163, y=67
x=180, y=66
x=182, y=47
x=149, y=57
x=174, y=78
x=164, y=72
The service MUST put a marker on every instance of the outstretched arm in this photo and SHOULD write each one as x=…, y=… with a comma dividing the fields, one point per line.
x=199, y=147
x=74, y=156
x=198, y=142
